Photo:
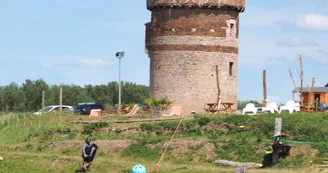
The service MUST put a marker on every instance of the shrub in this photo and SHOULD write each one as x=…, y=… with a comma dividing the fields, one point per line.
x=140, y=150
x=87, y=129
x=202, y=121
x=147, y=127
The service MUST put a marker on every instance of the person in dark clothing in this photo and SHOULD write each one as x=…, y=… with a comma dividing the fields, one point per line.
x=86, y=154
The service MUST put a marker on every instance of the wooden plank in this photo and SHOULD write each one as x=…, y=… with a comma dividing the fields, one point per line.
x=277, y=127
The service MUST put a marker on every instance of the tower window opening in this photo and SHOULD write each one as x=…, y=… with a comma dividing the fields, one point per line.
x=232, y=29
x=230, y=68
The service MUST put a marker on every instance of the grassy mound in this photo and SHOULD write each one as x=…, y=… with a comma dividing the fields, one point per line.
x=200, y=140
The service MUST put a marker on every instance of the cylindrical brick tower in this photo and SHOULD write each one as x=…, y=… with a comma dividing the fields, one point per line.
x=185, y=40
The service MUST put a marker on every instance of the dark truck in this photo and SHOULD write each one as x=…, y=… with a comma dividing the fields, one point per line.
x=85, y=108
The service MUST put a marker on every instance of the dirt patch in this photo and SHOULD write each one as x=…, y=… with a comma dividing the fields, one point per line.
x=113, y=146
x=304, y=151
x=183, y=145
x=106, y=146
x=207, y=152
x=178, y=146
x=103, y=131
x=208, y=149
x=67, y=144
x=131, y=132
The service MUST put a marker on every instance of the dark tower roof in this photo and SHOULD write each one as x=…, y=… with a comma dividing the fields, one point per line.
x=237, y=5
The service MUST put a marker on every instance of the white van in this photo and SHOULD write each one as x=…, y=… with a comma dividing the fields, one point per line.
x=55, y=108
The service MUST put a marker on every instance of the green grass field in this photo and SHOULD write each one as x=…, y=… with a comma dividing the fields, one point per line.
x=55, y=145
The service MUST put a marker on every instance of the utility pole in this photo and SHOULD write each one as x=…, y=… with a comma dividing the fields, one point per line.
x=119, y=55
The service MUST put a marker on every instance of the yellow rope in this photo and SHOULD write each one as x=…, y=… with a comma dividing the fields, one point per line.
x=170, y=142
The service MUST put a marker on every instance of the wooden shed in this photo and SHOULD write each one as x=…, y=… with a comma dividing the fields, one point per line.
x=318, y=92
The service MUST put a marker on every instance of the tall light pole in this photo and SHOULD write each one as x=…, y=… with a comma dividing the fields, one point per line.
x=119, y=55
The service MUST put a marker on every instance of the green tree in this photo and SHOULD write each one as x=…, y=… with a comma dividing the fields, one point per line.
x=33, y=94
x=242, y=104
x=13, y=98
x=73, y=94
x=28, y=97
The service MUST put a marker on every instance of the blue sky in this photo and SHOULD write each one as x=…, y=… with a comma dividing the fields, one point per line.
x=74, y=42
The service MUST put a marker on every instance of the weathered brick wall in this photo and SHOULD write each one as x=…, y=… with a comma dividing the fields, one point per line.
x=189, y=79
x=184, y=46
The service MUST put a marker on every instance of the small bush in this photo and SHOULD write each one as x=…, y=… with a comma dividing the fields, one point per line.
x=322, y=149
x=171, y=126
x=202, y=121
x=147, y=127
x=140, y=150
x=87, y=129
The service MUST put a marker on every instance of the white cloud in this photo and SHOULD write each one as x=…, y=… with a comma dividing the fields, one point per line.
x=313, y=22
x=94, y=62
x=45, y=65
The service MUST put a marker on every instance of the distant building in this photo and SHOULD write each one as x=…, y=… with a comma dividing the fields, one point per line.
x=318, y=92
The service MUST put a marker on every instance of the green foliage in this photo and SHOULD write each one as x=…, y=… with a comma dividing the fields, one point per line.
x=242, y=148
x=164, y=102
x=322, y=149
x=242, y=104
x=291, y=163
x=147, y=127
x=140, y=150
x=202, y=121
x=88, y=129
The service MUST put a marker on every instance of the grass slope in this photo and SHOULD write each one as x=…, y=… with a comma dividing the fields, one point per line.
x=54, y=147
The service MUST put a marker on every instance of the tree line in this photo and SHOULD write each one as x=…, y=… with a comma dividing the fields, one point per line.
x=28, y=96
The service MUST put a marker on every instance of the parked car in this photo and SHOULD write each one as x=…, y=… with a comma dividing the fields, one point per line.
x=85, y=108
x=55, y=108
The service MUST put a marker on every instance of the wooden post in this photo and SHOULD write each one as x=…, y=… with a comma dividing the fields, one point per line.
x=277, y=126
x=43, y=97
x=301, y=89
x=217, y=81
x=307, y=85
x=264, y=89
x=60, y=99
x=218, y=85
x=311, y=98
x=291, y=75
